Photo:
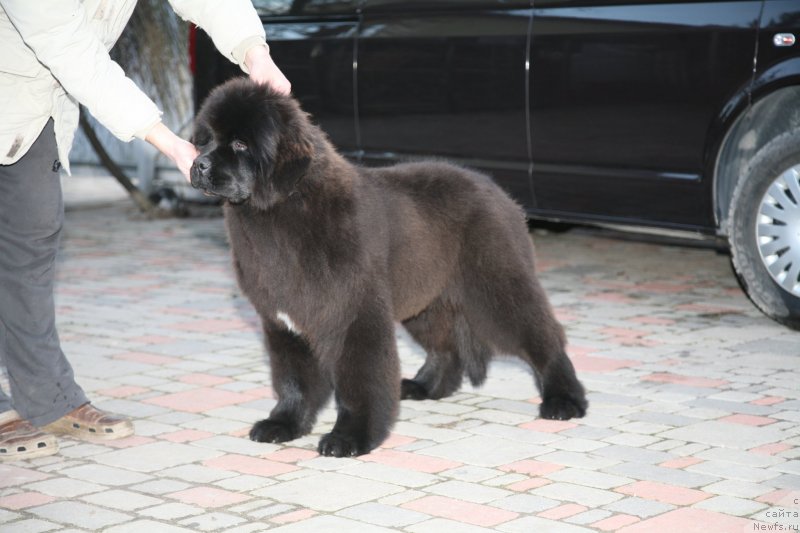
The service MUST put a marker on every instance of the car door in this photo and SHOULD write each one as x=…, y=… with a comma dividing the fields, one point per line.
x=446, y=78
x=623, y=96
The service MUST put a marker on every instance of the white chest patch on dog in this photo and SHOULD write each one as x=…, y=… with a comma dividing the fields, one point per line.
x=288, y=322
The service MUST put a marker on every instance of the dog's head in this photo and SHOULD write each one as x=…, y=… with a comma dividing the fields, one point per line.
x=254, y=144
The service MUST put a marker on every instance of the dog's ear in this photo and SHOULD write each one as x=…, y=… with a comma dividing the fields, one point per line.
x=295, y=148
x=292, y=157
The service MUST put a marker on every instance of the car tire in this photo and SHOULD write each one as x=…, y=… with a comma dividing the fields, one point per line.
x=764, y=229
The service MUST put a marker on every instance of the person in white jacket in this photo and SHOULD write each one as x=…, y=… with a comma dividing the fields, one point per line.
x=53, y=57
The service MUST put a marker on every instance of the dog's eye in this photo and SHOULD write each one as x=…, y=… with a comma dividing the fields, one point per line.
x=238, y=146
x=201, y=139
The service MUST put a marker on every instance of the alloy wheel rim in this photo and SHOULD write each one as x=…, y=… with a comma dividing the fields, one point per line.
x=778, y=230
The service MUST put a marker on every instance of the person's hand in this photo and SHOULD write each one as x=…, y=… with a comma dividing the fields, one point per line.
x=264, y=70
x=184, y=153
x=181, y=152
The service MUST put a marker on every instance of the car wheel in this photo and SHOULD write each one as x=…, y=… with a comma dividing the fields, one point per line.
x=765, y=229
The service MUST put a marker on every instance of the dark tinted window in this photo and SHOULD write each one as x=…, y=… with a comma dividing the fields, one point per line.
x=432, y=5
x=304, y=7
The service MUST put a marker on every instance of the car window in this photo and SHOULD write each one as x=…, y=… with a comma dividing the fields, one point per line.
x=666, y=12
x=416, y=5
x=304, y=7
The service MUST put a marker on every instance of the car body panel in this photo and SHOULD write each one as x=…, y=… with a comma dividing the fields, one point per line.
x=583, y=110
x=622, y=100
x=449, y=84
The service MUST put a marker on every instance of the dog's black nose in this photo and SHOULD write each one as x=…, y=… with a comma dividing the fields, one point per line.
x=203, y=164
x=200, y=171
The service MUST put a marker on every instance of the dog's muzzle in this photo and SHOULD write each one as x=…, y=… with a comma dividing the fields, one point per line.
x=200, y=174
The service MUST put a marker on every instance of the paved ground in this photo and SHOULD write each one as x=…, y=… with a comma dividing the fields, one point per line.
x=694, y=422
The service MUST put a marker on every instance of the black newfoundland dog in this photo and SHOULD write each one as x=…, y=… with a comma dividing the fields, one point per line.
x=331, y=255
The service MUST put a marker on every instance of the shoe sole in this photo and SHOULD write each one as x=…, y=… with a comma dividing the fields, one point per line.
x=68, y=429
x=50, y=448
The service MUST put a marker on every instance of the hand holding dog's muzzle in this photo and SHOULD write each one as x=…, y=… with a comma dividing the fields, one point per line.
x=180, y=151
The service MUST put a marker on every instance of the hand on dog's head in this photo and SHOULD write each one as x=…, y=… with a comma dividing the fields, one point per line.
x=255, y=144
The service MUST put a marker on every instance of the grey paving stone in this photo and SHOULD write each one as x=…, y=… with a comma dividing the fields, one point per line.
x=664, y=419
x=212, y=521
x=160, y=486
x=147, y=525
x=586, y=432
x=734, y=471
x=772, y=347
x=789, y=467
x=30, y=525
x=731, y=505
x=570, y=492
x=589, y=478
x=155, y=456
x=250, y=527
x=525, y=503
x=533, y=523
x=633, y=454
x=328, y=523
x=725, y=435
x=121, y=500
x=383, y=515
x=484, y=451
x=670, y=476
x=305, y=491
x=470, y=492
x=741, y=489
x=577, y=445
x=8, y=516
x=588, y=517
x=439, y=525
x=270, y=510
x=64, y=487
x=786, y=481
x=197, y=473
x=515, y=433
x=80, y=514
x=614, y=399
x=578, y=460
x=639, y=507
x=472, y=473
x=389, y=474
x=171, y=511
x=733, y=407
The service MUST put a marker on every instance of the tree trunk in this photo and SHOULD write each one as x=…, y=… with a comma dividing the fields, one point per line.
x=141, y=201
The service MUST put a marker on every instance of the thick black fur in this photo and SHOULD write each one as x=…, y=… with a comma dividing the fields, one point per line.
x=331, y=255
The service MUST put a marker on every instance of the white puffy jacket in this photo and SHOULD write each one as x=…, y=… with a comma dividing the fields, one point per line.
x=54, y=55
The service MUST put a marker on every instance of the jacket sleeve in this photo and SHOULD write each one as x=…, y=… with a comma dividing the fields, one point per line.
x=233, y=25
x=63, y=41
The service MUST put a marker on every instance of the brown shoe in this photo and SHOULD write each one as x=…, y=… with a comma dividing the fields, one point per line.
x=89, y=423
x=20, y=440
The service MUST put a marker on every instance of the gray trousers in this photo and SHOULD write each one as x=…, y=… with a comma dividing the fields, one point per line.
x=42, y=384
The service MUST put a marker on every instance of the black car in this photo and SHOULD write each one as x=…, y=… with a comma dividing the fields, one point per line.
x=678, y=115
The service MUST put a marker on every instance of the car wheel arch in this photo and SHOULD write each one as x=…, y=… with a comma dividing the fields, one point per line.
x=771, y=115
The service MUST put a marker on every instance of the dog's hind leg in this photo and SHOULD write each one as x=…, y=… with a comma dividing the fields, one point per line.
x=515, y=314
x=366, y=378
x=507, y=307
x=544, y=347
x=451, y=350
x=299, y=384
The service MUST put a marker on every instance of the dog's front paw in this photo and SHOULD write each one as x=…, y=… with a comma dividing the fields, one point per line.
x=272, y=431
x=336, y=444
x=562, y=408
x=412, y=390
